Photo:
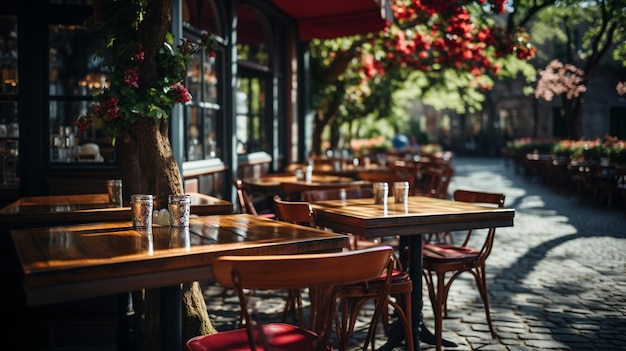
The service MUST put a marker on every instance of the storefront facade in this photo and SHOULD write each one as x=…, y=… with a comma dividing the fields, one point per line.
x=249, y=113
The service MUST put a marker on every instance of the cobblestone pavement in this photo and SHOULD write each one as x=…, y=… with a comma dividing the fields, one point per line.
x=556, y=279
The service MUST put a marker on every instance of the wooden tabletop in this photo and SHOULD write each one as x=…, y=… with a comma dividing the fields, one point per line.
x=421, y=215
x=79, y=261
x=90, y=208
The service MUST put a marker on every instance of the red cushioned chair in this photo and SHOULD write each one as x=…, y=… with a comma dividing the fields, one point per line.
x=326, y=273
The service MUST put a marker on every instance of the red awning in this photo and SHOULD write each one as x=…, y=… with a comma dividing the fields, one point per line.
x=325, y=19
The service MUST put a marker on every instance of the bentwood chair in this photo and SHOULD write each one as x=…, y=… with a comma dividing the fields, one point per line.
x=437, y=180
x=361, y=192
x=245, y=203
x=296, y=213
x=327, y=273
x=293, y=191
x=441, y=259
x=354, y=296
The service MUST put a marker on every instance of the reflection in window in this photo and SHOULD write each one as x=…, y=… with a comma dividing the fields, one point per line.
x=75, y=74
x=251, y=135
x=254, y=78
x=8, y=54
x=256, y=53
x=201, y=113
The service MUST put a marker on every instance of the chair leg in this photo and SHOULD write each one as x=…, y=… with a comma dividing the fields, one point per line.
x=481, y=282
x=440, y=311
x=437, y=302
x=293, y=306
x=404, y=313
x=349, y=311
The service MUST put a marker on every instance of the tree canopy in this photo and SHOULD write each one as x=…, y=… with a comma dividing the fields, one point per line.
x=450, y=54
x=435, y=45
x=587, y=35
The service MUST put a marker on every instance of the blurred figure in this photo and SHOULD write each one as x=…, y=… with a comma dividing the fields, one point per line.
x=400, y=141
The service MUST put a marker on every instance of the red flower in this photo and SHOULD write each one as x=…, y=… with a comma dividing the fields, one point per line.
x=131, y=78
x=111, y=109
x=82, y=123
x=139, y=55
x=181, y=94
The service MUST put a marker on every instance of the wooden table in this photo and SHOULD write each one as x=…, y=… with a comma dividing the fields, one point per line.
x=270, y=184
x=349, y=171
x=87, y=260
x=421, y=215
x=62, y=209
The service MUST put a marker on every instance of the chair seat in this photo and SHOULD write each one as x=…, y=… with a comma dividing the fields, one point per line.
x=279, y=337
x=399, y=279
x=443, y=253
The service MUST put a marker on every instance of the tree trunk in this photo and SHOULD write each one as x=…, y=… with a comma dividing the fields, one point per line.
x=148, y=166
x=573, y=110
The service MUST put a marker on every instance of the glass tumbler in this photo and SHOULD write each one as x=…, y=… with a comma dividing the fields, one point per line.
x=141, y=206
x=381, y=192
x=114, y=188
x=401, y=192
x=179, y=207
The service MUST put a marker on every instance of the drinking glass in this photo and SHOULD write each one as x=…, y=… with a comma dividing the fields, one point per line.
x=179, y=207
x=381, y=192
x=141, y=206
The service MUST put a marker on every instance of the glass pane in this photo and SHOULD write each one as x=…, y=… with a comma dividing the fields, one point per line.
x=194, y=143
x=210, y=81
x=251, y=132
x=201, y=113
x=202, y=79
x=9, y=143
x=74, y=67
x=67, y=145
x=8, y=54
x=201, y=140
x=253, y=59
x=210, y=145
x=8, y=116
x=251, y=45
x=75, y=74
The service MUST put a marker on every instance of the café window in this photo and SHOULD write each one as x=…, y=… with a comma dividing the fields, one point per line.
x=75, y=74
x=203, y=111
x=254, y=82
x=9, y=126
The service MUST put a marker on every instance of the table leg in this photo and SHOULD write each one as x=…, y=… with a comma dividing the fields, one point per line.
x=126, y=325
x=414, y=243
x=411, y=260
x=171, y=318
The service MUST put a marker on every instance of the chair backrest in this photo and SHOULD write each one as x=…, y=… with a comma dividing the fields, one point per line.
x=278, y=272
x=481, y=198
x=325, y=272
x=244, y=201
x=296, y=212
x=293, y=190
x=438, y=181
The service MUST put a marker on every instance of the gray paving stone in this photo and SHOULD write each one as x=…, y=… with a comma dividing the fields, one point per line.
x=556, y=278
